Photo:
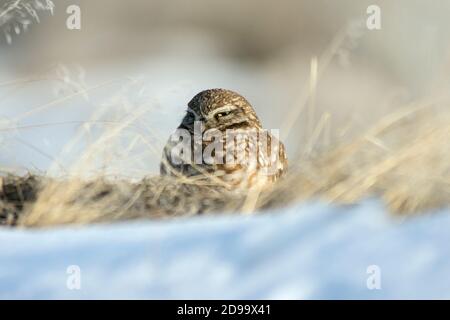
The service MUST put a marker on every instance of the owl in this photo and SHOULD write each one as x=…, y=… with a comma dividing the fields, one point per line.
x=221, y=140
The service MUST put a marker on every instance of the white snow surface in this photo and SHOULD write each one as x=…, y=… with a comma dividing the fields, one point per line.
x=309, y=251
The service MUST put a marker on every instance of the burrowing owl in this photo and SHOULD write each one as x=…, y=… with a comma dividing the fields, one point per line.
x=221, y=138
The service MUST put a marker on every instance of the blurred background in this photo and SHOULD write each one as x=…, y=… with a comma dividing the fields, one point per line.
x=131, y=69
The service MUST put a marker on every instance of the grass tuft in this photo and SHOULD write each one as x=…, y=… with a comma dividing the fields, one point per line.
x=17, y=15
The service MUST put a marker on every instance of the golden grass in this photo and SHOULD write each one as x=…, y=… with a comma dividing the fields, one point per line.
x=404, y=159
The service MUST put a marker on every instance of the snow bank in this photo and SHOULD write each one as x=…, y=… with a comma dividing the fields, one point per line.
x=309, y=251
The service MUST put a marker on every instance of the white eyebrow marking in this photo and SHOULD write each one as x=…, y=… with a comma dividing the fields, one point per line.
x=225, y=108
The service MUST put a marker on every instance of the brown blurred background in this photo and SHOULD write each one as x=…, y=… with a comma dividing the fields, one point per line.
x=259, y=48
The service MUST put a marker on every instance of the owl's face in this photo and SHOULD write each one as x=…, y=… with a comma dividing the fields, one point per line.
x=221, y=109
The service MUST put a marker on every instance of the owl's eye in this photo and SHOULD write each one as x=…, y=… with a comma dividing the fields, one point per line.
x=223, y=114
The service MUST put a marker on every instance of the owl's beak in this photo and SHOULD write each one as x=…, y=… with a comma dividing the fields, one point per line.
x=196, y=115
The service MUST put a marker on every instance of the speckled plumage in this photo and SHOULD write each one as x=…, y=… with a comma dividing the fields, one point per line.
x=221, y=110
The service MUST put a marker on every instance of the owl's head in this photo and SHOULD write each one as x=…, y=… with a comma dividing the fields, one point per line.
x=221, y=109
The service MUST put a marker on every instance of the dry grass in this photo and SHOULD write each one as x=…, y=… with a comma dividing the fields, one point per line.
x=17, y=15
x=404, y=159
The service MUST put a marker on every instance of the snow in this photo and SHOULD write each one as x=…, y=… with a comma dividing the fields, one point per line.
x=309, y=251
